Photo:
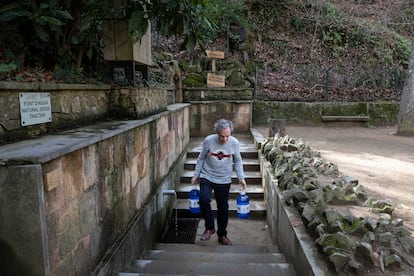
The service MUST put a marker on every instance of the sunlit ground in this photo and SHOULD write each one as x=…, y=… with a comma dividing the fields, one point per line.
x=382, y=161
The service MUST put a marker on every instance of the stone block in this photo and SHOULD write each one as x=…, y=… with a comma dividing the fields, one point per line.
x=68, y=228
x=142, y=163
x=52, y=178
x=105, y=152
x=133, y=171
x=22, y=216
x=72, y=175
x=205, y=114
x=141, y=191
x=89, y=163
x=88, y=215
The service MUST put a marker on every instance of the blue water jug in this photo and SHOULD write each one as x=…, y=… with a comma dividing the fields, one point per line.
x=243, y=205
x=194, y=197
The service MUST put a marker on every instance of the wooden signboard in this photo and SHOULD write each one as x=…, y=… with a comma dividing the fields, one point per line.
x=215, y=54
x=214, y=80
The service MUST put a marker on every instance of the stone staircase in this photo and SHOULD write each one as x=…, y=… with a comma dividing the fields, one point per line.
x=252, y=252
x=186, y=259
x=252, y=173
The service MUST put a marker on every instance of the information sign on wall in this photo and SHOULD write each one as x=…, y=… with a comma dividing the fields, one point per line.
x=35, y=108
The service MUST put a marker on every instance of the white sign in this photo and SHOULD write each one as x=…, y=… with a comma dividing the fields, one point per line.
x=35, y=108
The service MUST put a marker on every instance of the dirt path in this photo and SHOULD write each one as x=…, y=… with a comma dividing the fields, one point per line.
x=382, y=161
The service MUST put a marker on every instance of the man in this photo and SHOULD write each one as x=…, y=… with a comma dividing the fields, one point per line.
x=213, y=172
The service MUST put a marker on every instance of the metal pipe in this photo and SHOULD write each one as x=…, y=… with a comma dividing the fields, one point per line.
x=169, y=192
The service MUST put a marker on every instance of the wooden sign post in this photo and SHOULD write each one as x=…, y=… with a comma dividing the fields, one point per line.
x=214, y=80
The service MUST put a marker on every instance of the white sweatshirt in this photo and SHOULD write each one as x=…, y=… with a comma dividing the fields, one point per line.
x=215, y=161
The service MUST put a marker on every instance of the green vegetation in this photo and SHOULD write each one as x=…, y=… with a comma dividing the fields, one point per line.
x=57, y=35
x=359, y=38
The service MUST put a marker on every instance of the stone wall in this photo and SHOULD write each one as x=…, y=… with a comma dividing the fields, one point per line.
x=68, y=198
x=217, y=94
x=379, y=113
x=203, y=115
x=74, y=105
x=285, y=225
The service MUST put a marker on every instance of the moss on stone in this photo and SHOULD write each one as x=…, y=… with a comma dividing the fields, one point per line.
x=195, y=80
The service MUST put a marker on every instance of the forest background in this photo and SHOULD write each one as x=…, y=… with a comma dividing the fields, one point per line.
x=299, y=50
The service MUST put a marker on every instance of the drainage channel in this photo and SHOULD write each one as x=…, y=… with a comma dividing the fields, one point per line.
x=182, y=228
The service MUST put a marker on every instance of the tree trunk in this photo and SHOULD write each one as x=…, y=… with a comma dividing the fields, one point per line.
x=406, y=113
x=277, y=126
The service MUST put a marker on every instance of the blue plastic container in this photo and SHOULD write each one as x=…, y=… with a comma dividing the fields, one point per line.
x=194, y=197
x=243, y=205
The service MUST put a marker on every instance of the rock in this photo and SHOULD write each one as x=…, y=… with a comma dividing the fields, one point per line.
x=351, y=180
x=356, y=267
x=363, y=253
x=397, y=222
x=273, y=153
x=408, y=243
x=307, y=214
x=318, y=196
x=329, y=250
x=385, y=238
x=336, y=226
x=267, y=146
x=370, y=223
x=382, y=206
x=344, y=241
x=385, y=218
x=299, y=197
x=401, y=231
x=339, y=260
x=320, y=230
x=287, y=194
x=392, y=262
x=316, y=221
x=235, y=79
x=310, y=185
x=332, y=215
x=369, y=237
x=338, y=240
x=357, y=229
x=194, y=80
x=280, y=170
x=292, y=147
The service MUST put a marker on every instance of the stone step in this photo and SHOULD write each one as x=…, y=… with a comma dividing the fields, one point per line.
x=205, y=268
x=213, y=257
x=247, y=148
x=250, y=249
x=257, y=207
x=249, y=164
x=250, y=154
x=252, y=178
x=253, y=191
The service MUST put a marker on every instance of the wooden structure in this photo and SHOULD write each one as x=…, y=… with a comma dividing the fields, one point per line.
x=214, y=80
x=121, y=52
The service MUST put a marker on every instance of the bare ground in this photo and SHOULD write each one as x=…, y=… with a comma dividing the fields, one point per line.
x=382, y=161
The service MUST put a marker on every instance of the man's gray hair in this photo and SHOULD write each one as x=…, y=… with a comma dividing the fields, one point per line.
x=222, y=124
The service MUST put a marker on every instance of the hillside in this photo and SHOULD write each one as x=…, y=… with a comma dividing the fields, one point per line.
x=322, y=50
x=293, y=50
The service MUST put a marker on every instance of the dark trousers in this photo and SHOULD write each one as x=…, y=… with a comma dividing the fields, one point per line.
x=221, y=194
